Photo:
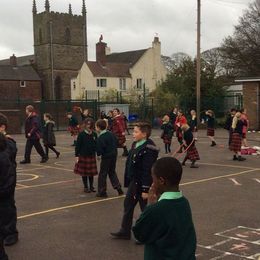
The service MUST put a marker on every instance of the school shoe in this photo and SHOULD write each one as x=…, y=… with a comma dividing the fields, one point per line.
x=24, y=161
x=213, y=143
x=137, y=242
x=121, y=235
x=235, y=158
x=87, y=190
x=101, y=195
x=57, y=155
x=92, y=189
x=11, y=240
x=194, y=166
x=120, y=192
x=240, y=158
x=125, y=153
x=44, y=160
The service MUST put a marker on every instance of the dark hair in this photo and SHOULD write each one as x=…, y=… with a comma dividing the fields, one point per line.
x=242, y=110
x=144, y=127
x=48, y=116
x=3, y=143
x=233, y=110
x=168, y=168
x=3, y=120
x=102, y=124
x=89, y=121
x=117, y=110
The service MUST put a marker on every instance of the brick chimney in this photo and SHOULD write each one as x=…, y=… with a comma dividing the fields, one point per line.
x=13, y=61
x=101, y=51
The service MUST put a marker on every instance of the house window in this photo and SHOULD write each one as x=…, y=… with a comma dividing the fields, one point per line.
x=122, y=84
x=102, y=83
x=139, y=83
x=238, y=99
x=22, y=84
x=74, y=85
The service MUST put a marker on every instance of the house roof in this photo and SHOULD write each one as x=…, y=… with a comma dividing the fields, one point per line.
x=27, y=72
x=21, y=61
x=249, y=79
x=109, y=70
x=129, y=57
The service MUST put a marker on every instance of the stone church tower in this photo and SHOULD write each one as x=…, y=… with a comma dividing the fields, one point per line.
x=60, y=48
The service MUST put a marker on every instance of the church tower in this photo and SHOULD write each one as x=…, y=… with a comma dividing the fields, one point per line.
x=60, y=48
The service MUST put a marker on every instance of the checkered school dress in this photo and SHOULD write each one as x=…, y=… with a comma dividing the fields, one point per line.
x=166, y=139
x=192, y=153
x=86, y=166
x=120, y=140
x=74, y=130
x=236, y=143
x=210, y=132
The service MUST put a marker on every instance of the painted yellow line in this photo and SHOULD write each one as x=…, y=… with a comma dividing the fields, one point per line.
x=69, y=207
x=230, y=165
x=21, y=185
x=56, y=168
x=218, y=177
x=34, y=177
x=47, y=184
x=29, y=170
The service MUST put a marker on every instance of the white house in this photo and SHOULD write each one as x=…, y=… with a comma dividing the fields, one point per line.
x=120, y=71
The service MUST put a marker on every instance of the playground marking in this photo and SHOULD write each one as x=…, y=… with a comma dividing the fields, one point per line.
x=235, y=182
x=229, y=165
x=33, y=177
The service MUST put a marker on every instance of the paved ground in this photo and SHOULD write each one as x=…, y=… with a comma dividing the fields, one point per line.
x=58, y=221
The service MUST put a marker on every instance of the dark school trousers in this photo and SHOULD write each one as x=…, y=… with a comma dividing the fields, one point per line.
x=133, y=196
x=108, y=168
x=28, y=148
x=8, y=215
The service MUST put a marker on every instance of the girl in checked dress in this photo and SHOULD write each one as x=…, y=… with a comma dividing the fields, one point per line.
x=85, y=152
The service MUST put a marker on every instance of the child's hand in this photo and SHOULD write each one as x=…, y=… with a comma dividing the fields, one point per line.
x=152, y=196
x=76, y=159
x=144, y=195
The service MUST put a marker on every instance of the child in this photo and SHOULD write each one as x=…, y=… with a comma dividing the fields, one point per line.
x=236, y=137
x=228, y=123
x=180, y=120
x=167, y=133
x=49, y=139
x=107, y=148
x=138, y=177
x=192, y=153
x=73, y=127
x=210, y=126
x=193, y=124
x=245, y=120
x=85, y=152
x=166, y=227
x=9, y=215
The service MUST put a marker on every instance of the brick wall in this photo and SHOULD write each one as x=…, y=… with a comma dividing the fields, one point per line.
x=251, y=103
x=11, y=90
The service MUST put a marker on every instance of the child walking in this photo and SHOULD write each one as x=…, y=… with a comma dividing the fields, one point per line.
x=138, y=177
x=166, y=227
x=236, y=137
x=193, y=124
x=73, y=127
x=49, y=139
x=85, y=152
x=192, y=152
x=210, y=119
x=180, y=120
x=107, y=149
x=167, y=133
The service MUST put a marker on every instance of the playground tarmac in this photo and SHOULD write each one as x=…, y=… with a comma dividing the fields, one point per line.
x=58, y=221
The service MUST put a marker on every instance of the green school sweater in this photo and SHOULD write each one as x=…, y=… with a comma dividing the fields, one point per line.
x=166, y=228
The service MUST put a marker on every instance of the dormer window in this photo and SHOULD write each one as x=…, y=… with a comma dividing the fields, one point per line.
x=22, y=84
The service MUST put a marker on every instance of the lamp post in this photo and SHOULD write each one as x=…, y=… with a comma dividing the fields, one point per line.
x=198, y=62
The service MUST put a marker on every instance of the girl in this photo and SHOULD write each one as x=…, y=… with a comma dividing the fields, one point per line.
x=192, y=152
x=236, y=137
x=180, y=120
x=245, y=120
x=85, y=153
x=73, y=127
x=49, y=139
x=167, y=133
x=193, y=124
x=210, y=119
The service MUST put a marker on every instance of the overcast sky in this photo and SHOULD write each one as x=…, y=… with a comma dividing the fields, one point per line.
x=127, y=24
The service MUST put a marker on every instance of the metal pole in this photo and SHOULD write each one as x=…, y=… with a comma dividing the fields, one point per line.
x=198, y=61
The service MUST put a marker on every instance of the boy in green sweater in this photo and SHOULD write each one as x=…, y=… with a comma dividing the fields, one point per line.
x=166, y=227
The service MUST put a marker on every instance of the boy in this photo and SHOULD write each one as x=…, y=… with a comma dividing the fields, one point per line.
x=165, y=226
x=107, y=149
x=9, y=215
x=138, y=177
